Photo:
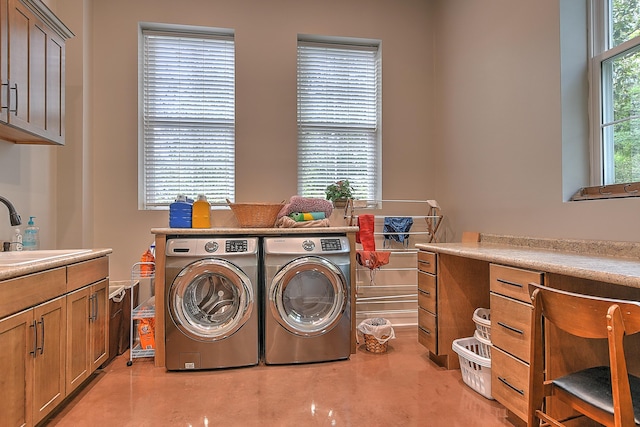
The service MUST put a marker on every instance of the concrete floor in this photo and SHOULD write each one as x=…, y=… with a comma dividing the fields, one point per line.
x=401, y=387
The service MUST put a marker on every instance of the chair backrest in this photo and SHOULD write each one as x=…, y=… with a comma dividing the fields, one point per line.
x=583, y=315
x=588, y=317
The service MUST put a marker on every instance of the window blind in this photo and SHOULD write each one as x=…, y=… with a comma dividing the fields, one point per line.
x=338, y=117
x=188, y=118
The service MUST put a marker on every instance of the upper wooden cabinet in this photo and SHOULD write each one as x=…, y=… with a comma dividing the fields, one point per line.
x=32, y=73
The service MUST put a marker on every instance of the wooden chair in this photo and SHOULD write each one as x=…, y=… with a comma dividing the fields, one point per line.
x=600, y=393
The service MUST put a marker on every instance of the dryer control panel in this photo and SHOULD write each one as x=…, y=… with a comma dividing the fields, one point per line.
x=306, y=245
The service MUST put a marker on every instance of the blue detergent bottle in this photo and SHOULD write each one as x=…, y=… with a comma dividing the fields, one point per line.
x=180, y=212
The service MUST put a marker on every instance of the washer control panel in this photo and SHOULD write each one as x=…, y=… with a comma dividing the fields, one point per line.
x=330, y=245
x=235, y=246
x=207, y=246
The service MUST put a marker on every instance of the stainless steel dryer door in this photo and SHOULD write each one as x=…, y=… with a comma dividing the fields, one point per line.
x=210, y=299
x=308, y=296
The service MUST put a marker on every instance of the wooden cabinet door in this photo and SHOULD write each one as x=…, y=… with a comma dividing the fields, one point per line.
x=21, y=25
x=78, y=351
x=36, y=74
x=54, y=118
x=87, y=332
x=4, y=62
x=49, y=361
x=99, y=322
x=16, y=378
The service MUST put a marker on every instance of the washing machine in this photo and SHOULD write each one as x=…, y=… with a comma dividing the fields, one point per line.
x=212, y=309
x=307, y=303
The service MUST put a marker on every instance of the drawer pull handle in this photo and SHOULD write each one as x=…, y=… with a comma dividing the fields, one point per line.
x=506, y=282
x=505, y=382
x=425, y=292
x=426, y=331
x=511, y=328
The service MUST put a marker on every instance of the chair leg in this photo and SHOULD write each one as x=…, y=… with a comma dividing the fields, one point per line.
x=547, y=421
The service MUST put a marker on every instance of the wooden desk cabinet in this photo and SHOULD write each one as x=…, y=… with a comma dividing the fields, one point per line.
x=510, y=335
x=450, y=288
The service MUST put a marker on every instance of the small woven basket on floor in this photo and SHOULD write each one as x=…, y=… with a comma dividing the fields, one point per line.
x=373, y=345
x=256, y=215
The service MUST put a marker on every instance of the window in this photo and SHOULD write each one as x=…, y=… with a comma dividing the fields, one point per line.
x=339, y=116
x=187, y=126
x=615, y=94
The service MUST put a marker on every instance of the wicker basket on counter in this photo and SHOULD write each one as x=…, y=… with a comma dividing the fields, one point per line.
x=256, y=215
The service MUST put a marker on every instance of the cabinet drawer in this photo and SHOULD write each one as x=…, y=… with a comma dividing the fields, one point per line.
x=513, y=282
x=87, y=272
x=509, y=381
x=511, y=326
x=427, y=292
x=427, y=262
x=427, y=330
x=27, y=291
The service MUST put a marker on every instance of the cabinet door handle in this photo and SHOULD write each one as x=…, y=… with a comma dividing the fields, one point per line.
x=506, y=282
x=41, y=348
x=428, y=293
x=511, y=328
x=34, y=325
x=91, y=307
x=15, y=87
x=2, y=94
x=517, y=390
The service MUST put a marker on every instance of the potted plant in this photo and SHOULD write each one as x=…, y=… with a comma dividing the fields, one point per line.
x=339, y=192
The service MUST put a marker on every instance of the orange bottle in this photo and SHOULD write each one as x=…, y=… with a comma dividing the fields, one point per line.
x=201, y=213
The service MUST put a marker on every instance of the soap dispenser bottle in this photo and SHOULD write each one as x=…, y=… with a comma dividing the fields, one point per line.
x=31, y=238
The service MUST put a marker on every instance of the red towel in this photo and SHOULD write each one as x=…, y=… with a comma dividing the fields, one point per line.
x=365, y=234
x=372, y=259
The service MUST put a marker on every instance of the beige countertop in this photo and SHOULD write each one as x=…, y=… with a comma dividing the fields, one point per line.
x=47, y=263
x=227, y=231
x=566, y=258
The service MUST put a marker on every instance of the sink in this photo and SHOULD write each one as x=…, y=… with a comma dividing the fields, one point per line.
x=19, y=258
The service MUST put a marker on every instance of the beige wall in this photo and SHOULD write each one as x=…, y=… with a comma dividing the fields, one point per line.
x=265, y=34
x=475, y=123
x=499, y=143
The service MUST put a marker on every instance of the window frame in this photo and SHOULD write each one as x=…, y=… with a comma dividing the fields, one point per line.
x=374, y=190
x=177, y=30
x=599, y=32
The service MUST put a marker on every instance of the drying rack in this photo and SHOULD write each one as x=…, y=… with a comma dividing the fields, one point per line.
x=432, y=214
x=391, y=291
x=142, y=274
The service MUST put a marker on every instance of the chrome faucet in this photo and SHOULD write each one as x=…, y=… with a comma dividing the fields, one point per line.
x=13, y=215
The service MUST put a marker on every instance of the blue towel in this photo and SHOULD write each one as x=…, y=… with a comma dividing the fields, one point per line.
x=397, y=228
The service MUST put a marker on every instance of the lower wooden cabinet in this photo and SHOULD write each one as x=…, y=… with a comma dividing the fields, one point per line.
x=32, y=356
x=511, y=335
x=510, y=382
x=87, y=336
x=54, y=340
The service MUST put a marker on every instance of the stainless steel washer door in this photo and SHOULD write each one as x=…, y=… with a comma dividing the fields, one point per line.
x=308, y=296
x=210, y=299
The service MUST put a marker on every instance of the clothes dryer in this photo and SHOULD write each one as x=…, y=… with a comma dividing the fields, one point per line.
x=211, y=314
x=307, y=299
